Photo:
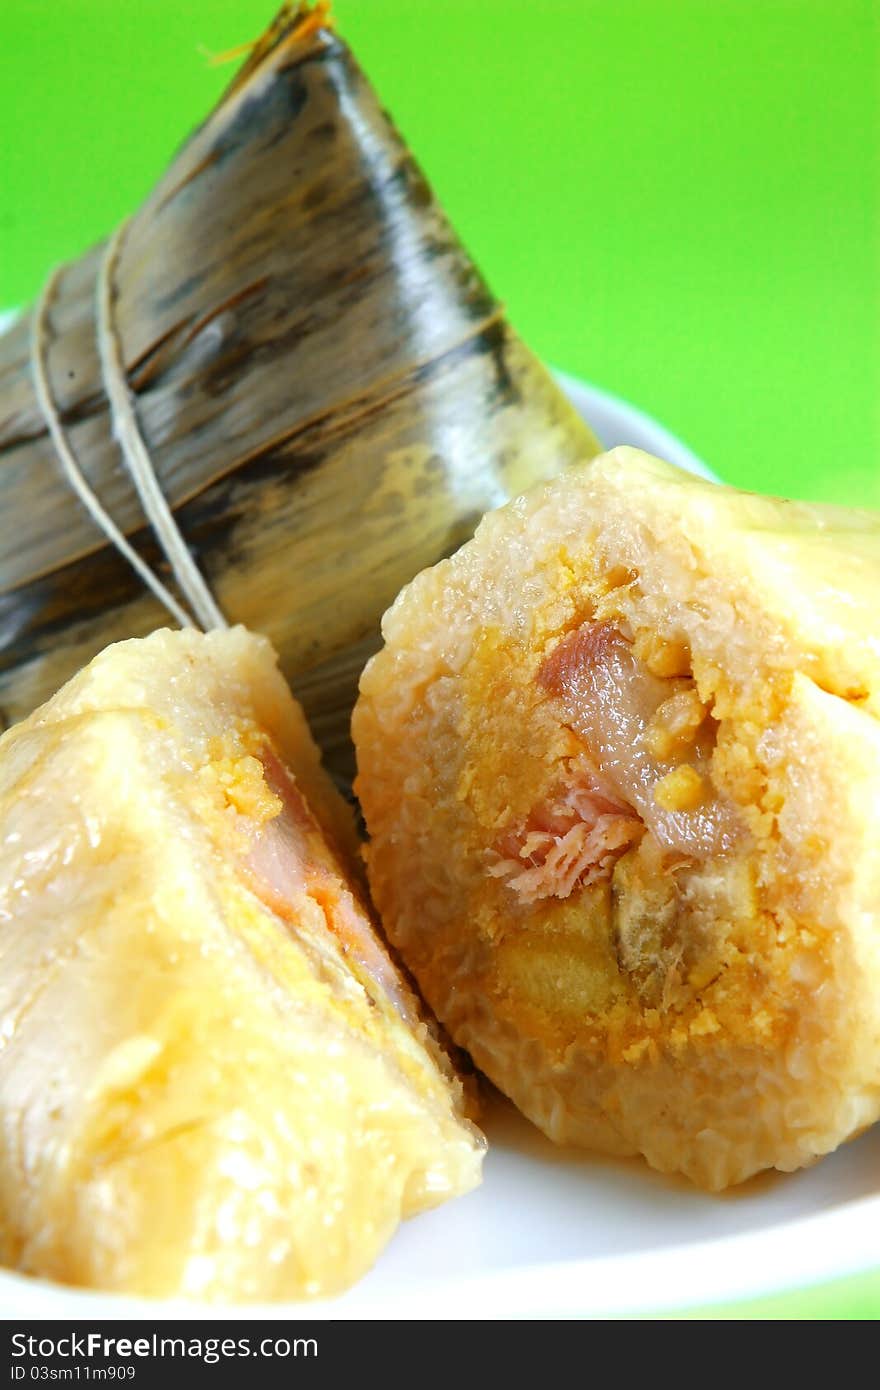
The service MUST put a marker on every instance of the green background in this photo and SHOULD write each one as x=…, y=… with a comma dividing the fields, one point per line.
x=677, y=200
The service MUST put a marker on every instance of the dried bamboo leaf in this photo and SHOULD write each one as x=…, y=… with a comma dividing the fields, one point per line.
x=330, y=393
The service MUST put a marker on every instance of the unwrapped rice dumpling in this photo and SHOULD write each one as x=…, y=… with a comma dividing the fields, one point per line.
x=213, y=1080
x=620, y=764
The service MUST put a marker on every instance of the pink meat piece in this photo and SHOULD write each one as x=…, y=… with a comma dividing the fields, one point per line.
x=291, y=858
x=608, y=697
x=570, y=841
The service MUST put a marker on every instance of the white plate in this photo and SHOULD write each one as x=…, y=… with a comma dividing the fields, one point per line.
x=552, y=1233
x=616, y=422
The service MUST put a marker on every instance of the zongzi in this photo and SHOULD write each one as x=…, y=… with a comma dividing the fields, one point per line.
x=213, y=1081
x=620, y=765
x=330, y=394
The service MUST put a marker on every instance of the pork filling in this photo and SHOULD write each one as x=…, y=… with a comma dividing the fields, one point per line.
x=290, y=859
x=648, y=745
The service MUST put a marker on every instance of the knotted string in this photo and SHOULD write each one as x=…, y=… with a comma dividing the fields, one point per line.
x=203, y=610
